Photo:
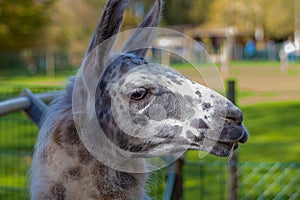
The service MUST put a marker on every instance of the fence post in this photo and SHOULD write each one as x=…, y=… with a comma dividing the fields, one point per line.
x=233, y=176
x=178, y=186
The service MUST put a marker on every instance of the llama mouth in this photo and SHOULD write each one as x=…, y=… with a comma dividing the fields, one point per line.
x=219, y=149
x=225, y=144
x=225, y=148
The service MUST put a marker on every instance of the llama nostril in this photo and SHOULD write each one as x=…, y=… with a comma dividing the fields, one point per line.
x=231, y=120
x=234, y=115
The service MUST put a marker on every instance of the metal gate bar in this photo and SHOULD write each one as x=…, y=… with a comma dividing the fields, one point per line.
x=24, y=102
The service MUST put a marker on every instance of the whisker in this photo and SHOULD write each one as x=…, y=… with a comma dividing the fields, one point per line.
x=231, y=152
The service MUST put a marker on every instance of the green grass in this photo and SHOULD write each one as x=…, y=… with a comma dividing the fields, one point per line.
x=250, y=63
x=275, y=132
x=17, y=137
x=35, y=81
x=18, y=134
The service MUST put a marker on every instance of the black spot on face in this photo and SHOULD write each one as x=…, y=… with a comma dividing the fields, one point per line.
x=199, y=94
x=174, y=79
x=198, y=137
x=199, y=124
x=206, y=106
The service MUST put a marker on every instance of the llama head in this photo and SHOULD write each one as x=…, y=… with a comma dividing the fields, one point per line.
x=126, y=105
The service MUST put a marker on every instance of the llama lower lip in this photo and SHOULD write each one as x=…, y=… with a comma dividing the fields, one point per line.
x=220, y=148
x=223, y=149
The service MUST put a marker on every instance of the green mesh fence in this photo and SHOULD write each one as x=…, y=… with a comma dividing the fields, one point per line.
x=17, y=138
x=261, y=181
x=269, y=181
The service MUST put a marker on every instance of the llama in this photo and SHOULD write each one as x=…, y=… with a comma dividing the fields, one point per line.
x=143, y=110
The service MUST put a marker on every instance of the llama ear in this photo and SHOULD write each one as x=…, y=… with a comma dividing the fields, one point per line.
x=108, y=25
x=101, y=45
x=142, y=37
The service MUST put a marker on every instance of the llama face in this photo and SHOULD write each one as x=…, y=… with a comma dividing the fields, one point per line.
x=154, y=111
x=124, y=107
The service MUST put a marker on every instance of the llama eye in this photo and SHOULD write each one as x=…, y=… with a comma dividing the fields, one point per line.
x=138, y=94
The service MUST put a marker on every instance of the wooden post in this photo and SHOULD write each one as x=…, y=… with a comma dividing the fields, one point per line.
x=231, y=91
x=233, y=170
x=178, y=187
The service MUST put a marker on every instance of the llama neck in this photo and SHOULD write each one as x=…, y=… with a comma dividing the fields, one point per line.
x=63, y=168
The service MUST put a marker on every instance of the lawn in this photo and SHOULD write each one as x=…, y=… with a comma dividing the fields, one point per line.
x=275, y=132
x=274, y=135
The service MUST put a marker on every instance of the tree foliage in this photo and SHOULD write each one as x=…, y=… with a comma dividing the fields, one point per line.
x=68, y=24
x=22, y=23
x=180, y=12
x=74, y=23
x=276, y=17
x=279, y=17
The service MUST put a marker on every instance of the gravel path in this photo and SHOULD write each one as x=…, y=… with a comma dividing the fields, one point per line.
x=260, y=84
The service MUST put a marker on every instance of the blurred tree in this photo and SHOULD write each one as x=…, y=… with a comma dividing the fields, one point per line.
x=198, y=12
x=276, y=17
x=179, y=12
x=279, y=18
x=68, y=25
x=74, y=23
x=22, y=23
x=244, y=14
